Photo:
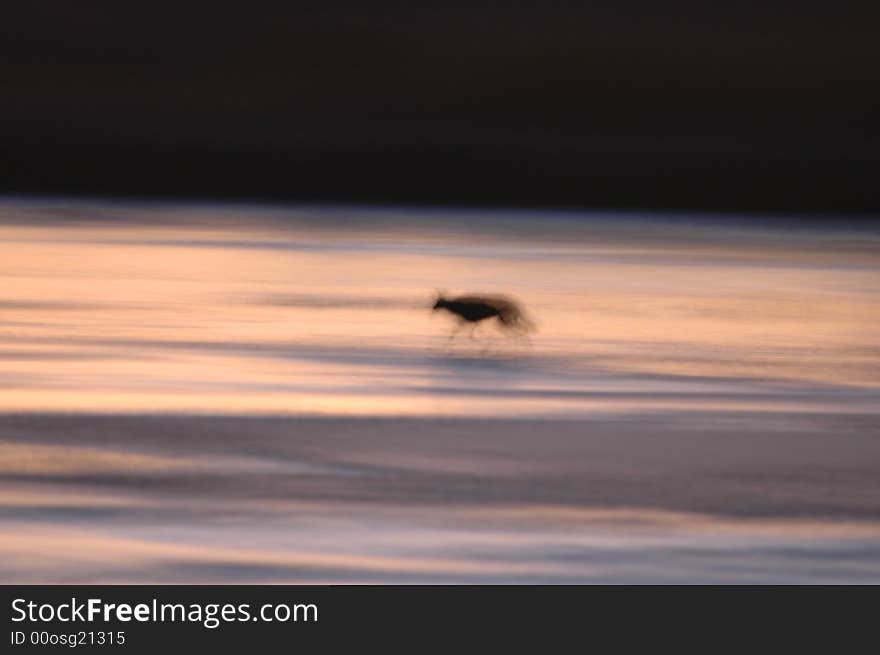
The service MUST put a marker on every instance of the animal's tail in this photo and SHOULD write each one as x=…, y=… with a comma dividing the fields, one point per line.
x=512, y=317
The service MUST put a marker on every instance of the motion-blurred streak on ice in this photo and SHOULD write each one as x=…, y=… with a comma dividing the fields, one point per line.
x=153, y=308
x=234, y=393
x=674, y=497
x=635, y=547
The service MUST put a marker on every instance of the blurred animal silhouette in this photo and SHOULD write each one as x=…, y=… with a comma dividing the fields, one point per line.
x=473, y=309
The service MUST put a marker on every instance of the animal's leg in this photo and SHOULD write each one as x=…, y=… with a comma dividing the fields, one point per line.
x=487, y=344
x=491, y=342
x=458, y=327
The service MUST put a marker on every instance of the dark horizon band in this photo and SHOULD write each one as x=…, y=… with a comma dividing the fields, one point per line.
x=746, y=108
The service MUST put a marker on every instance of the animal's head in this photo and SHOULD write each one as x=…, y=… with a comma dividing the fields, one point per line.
x=440, y=302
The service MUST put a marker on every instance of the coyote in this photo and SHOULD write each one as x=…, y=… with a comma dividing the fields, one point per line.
x=476, y=308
